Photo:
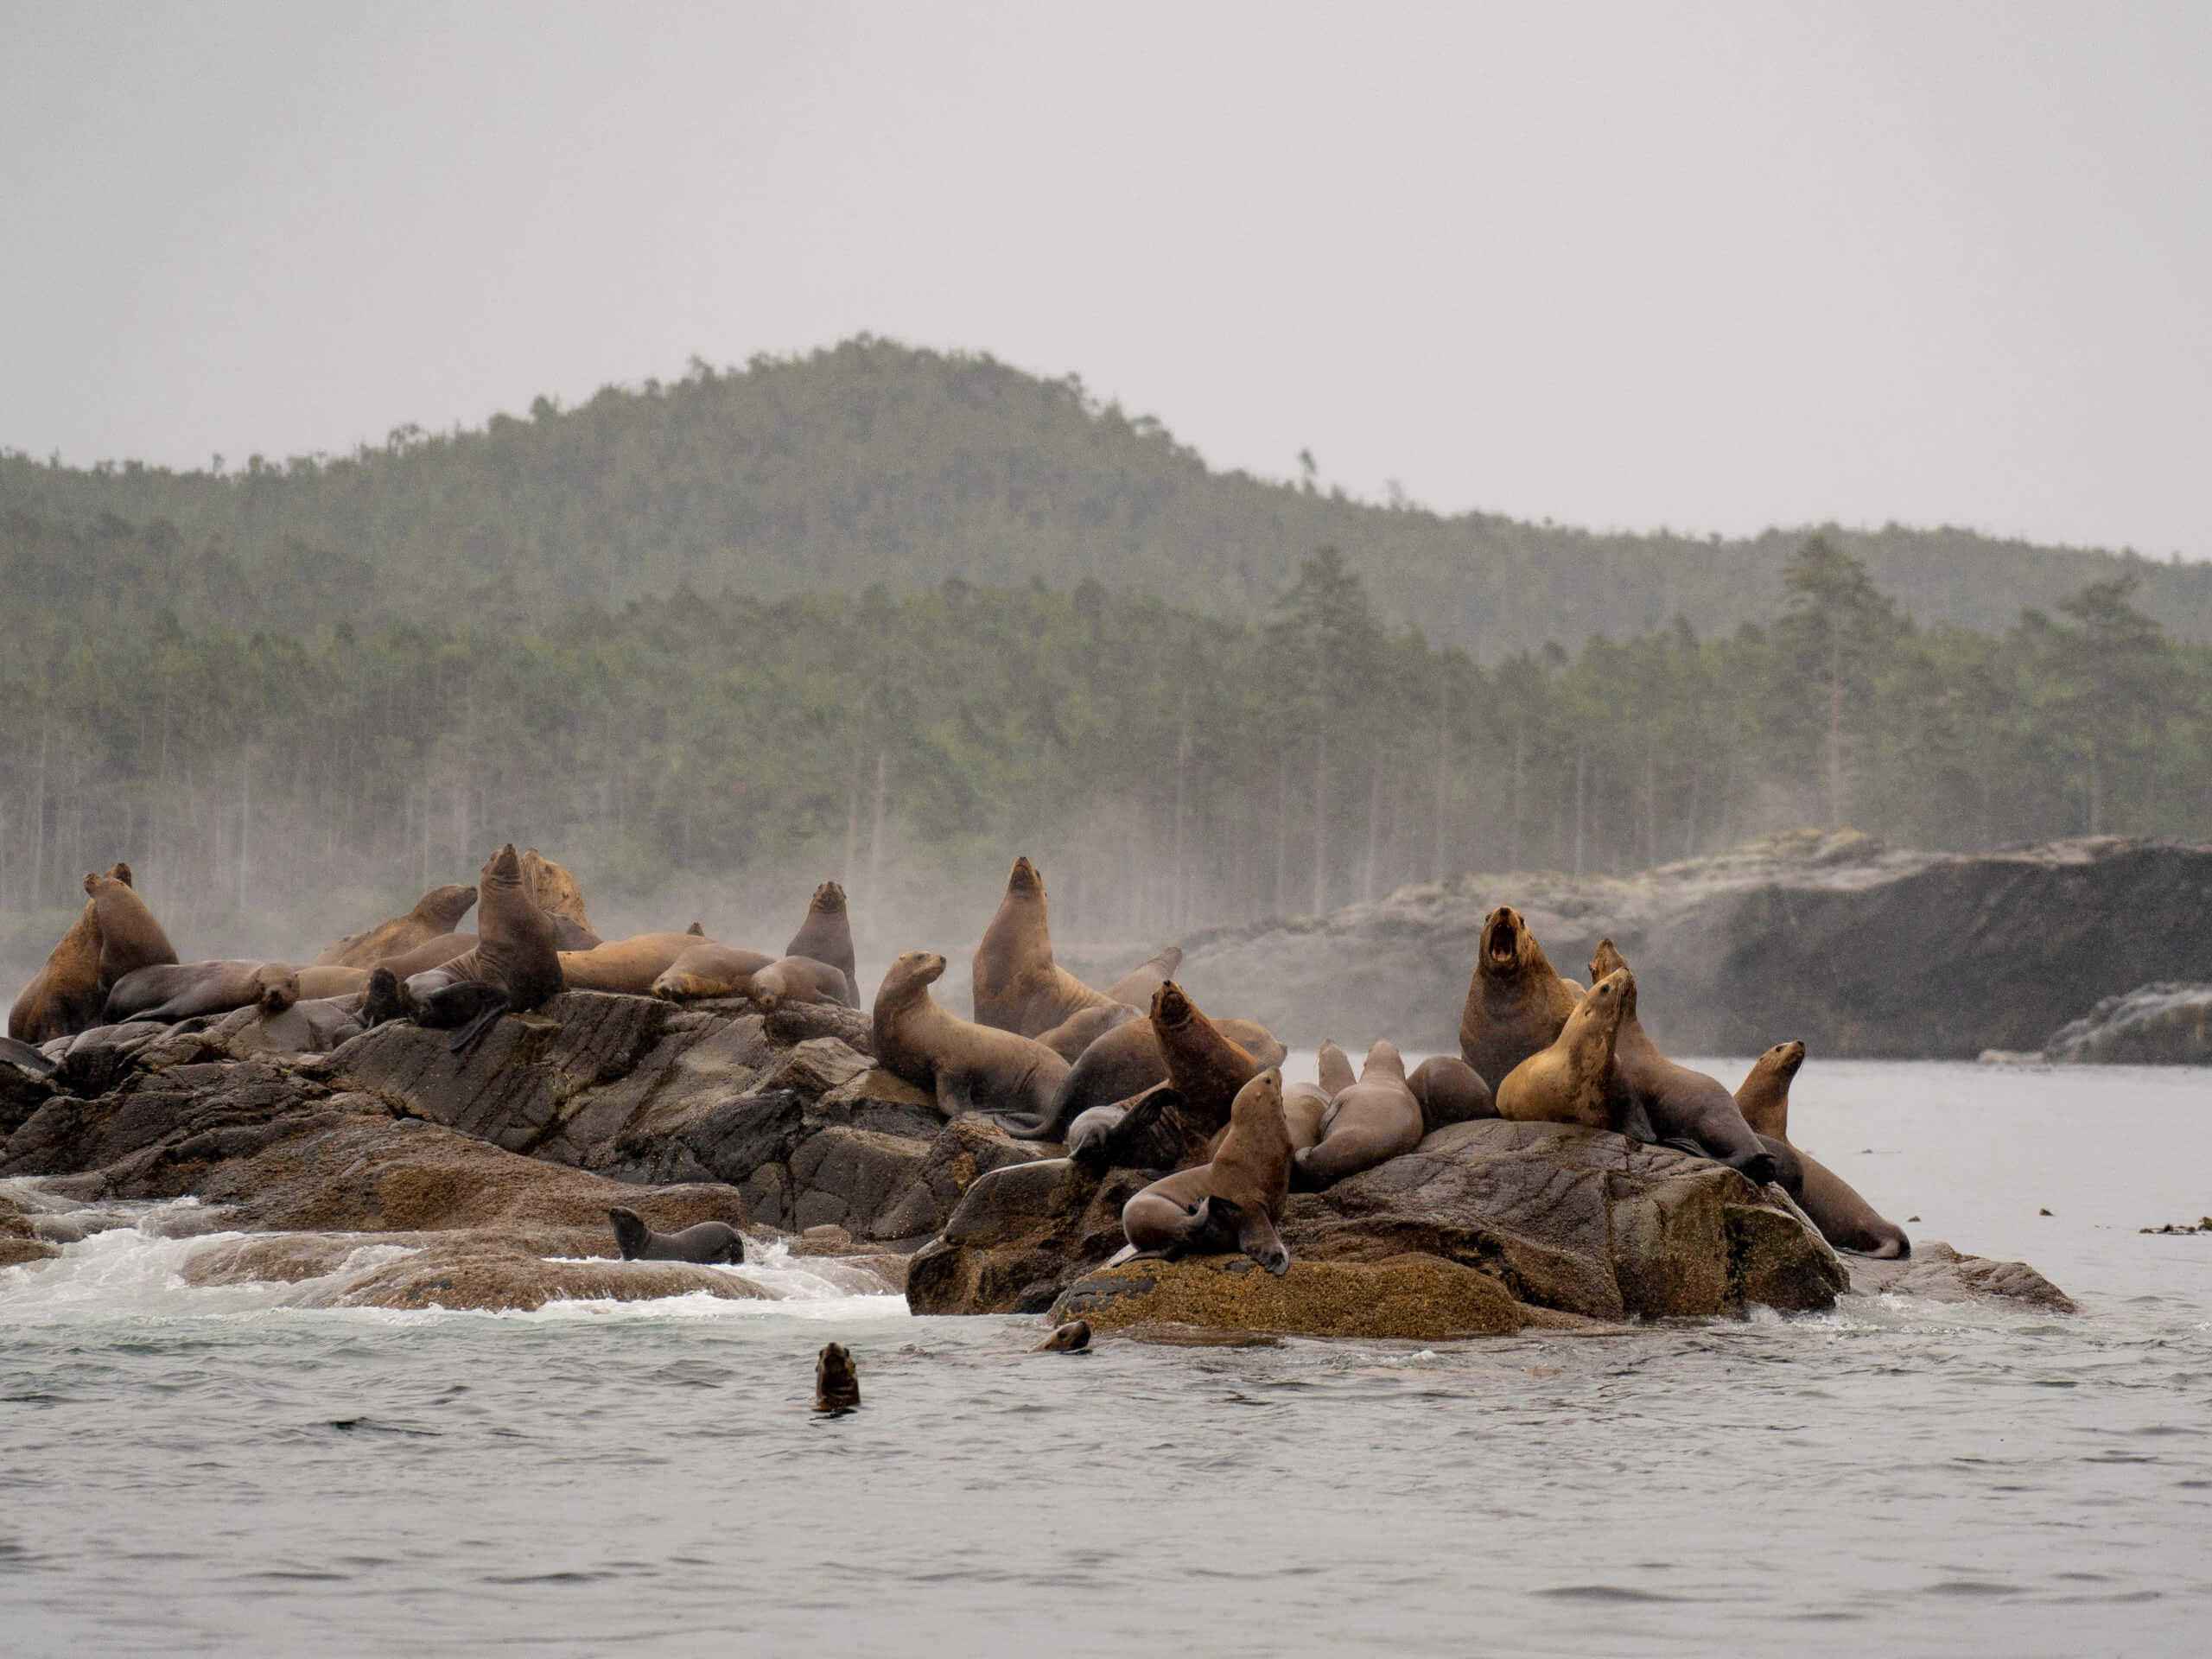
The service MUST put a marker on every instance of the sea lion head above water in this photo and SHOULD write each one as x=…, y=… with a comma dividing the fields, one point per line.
x=836, y=1380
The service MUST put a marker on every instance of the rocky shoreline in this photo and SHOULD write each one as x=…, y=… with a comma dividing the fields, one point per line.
x=488, y=1176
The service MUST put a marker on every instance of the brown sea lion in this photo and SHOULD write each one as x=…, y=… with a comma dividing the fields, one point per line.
x=514, y=967
x=1078, y=1031
x=1686, y=1107
x=628, y=966
x=800, y=979
x=709, y=1242
x=1450, y=1092
x=180, y=990
x=1375, y=1119
x=130, y=937
x=1124, y=1063
x=557, y=893
x=1304, y=1106
x=1334, y=1068
x=826, y=935
x=971, y=1068
x=1205, y=1064
x=1516, y=1003
x=836, y=1380
x=64, y=998
x=319, y=984
x=1135, y=989
x=1845, y=1219
x=430, y=953
x=1231, y=1202
x=1018, y=988
x=1572, y=1080
x=710, y=971
x=1069, y=1338
x=435, y=912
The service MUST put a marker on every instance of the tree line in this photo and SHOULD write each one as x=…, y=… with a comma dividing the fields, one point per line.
x=1170, y=769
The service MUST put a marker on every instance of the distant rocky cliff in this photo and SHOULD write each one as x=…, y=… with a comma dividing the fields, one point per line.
x=1855, y=949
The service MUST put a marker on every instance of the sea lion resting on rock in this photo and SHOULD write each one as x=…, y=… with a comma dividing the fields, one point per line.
x=320, y=984
x=66, y=997
x=1845, y=1219
x=970, y=1068
x=826, y=935
x=709, y=1242
x=130, y=937
x=1449, y=1091
x=1232, y=1202
x=1683, y=1106
x=1018, y=988
x=710, y=971
x=514, y=967
x=800, y=979
x=180, y=990
x=434, y=913
x=558, y=894
x=1572, y=1080
x=1516, y=1004
x=1373, y=1120
x=1128, y=1060
x=629, y=966
x=1075, y=1034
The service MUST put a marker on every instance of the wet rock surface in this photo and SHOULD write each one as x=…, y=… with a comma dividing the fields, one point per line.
x=1856, y=950
x=1414, y=1298
x=2169, y=1023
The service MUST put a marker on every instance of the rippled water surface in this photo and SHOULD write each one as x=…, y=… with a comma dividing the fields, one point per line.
x=216, y=1471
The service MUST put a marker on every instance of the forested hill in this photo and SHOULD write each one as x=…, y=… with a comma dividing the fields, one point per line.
x=872, y=463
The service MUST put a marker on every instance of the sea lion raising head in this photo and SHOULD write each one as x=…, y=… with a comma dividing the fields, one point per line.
x=1232, y=1202
x=836, y=1380
x=1516, y=1002
x=969, y=1067
x=826, y=935
x=130, y=937
x=1571, y=1081
x=1018, y=986
x=1846, y=1220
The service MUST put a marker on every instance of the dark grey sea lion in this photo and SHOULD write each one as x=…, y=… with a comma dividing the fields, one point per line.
x=836, y=1380
x=707, y=1242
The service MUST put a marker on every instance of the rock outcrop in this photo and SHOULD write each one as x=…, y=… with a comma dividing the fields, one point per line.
x=1830, y=938
x=2169, y=1023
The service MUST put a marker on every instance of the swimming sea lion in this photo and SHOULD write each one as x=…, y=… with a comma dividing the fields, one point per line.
x=318, y=984
x=130, y=937
x=514, y=967
x=1078, y=1031
x=1572, y=1080
x=1334, y=1068
x=800, y=979
x=1124, y=1062
x=972, y=1068
x=1683, y=1105
x=1232, y=1202
x=1018, y=988
x=836, y=1380
x=180, y=990
x=826, y=935
x=710, y=971
x=1450, y=1092
x=435, y=912
x=557, y=893
x=1135, y=987
x=1374, y=1121
x=64, y=998
x=710, y=1241
x=1069, y=1338
x=1516, y=1003
x=628, y=966
x=1845, y=1219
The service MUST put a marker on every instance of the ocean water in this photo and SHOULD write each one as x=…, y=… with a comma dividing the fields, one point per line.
x=249, y=1469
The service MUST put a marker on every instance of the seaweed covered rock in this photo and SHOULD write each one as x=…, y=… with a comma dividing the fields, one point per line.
x=1416, y=1298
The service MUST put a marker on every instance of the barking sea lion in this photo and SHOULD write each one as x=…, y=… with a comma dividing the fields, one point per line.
x=1516, y=1002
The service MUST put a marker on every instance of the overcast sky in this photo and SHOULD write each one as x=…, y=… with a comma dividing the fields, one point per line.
x=1708, y=267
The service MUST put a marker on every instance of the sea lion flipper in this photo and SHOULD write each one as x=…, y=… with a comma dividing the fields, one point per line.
x=494, y=1004
x=1257, y=1238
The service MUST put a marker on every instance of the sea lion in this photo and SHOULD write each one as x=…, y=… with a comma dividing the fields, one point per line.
x=310, y=1025
x=1571, y=1081
x=434, y=952
x=319, y=984
x=180, y=990
x=1205, y=1064
x=1018, y=988
x=628, y=966
x=836, y=1380
x=1683, y=1106
x=557, y=893
x=27, y=1059
x=130, y=937
x=1304, y=1106
x=65, y=997
x=1516, y=1004
x=1374, y=1121
x=1126, y=1061
x=800, y=979
x=710, y=971
x=435, y=912
x=1069, y=1338
x=1334, y=1068
x=514, y=967
x=1147, y=1131
x=710, y=1241
x=1078, y=1031
x=971, y=1068
x=1449, y=1091
x=1232, y=1202
x=1845, y=1219
x=1135, y=987
x=826, y=935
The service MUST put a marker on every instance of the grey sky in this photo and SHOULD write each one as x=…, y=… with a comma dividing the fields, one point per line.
x=1710, y=267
